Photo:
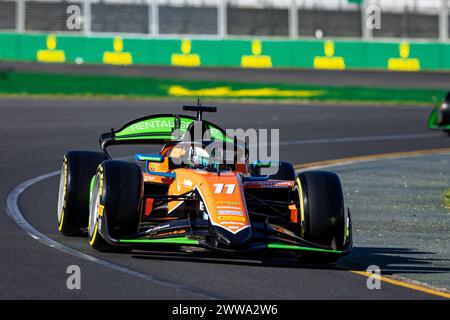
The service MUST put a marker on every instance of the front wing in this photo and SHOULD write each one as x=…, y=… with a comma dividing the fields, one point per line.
x=266, y=237
x=433, y=121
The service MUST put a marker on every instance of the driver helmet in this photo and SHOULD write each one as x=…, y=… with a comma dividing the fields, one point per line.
x=199, y=156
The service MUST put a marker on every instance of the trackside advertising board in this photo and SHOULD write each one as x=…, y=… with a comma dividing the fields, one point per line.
x=244, y=53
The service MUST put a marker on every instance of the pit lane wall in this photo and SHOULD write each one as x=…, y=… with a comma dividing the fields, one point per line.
x=245, y=53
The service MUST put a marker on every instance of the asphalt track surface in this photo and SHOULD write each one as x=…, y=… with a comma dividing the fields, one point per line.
x=399, y=215
x=35, y=133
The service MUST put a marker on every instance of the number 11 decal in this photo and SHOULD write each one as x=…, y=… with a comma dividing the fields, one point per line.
x=229, y=188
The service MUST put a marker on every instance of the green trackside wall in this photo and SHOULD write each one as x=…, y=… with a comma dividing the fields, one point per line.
x=337, y=54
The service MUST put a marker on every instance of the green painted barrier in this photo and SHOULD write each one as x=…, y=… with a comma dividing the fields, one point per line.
x=256, y=53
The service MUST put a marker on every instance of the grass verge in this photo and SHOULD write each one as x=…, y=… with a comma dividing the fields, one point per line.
x=20, y=83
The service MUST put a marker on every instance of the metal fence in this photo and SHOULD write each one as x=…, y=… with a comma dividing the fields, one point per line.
x=426, y=19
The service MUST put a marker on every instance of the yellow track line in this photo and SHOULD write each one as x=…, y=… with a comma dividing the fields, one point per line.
x=349, y=160
x=401, y=283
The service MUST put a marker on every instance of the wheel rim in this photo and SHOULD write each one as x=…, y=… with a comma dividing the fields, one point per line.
x=298, y=204
x=297, y=197
x=93, y=212
x=61, y=192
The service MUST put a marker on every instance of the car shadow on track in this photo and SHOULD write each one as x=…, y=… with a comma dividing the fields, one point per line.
x=390, y=260
x=397, y=260
x=274, y=260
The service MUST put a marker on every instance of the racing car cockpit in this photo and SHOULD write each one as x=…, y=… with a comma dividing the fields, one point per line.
x=188, y=142
x=206, y=155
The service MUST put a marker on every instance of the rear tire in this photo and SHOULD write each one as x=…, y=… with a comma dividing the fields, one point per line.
x=321, y=200
x=117, y=196
x=78, y=168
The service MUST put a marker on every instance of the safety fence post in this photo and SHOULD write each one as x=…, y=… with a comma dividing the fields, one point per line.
x=222, y=17
x=293, y=19
x=87, y=17
x=443, y=21
x=20, y=16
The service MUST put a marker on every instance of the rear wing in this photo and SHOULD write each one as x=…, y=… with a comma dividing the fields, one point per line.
x=156, y=129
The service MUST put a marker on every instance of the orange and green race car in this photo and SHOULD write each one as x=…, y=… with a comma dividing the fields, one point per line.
x=439, y=118
x=188, y=196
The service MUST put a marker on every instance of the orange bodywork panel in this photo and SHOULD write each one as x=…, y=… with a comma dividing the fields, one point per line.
x=294, y=213
x=159, y=166
x=148, y=207
x=221, y=194
x=241, y=167
x=149, y=178
x=269, y=184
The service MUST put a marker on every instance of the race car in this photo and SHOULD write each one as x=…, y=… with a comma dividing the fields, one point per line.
x=439, y=118
x=187, y=196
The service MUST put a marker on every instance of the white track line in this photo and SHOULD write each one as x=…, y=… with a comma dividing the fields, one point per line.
x=350, y=139
x=360, y=139
x=14, y=212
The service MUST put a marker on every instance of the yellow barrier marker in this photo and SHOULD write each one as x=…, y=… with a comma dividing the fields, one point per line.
x=329, y=61
x=51, y=55
x=185, y=58
x=404, y=63
x=117, y=57
x=256, y=60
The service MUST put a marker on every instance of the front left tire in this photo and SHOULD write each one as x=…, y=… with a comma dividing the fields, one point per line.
x=117, y=200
